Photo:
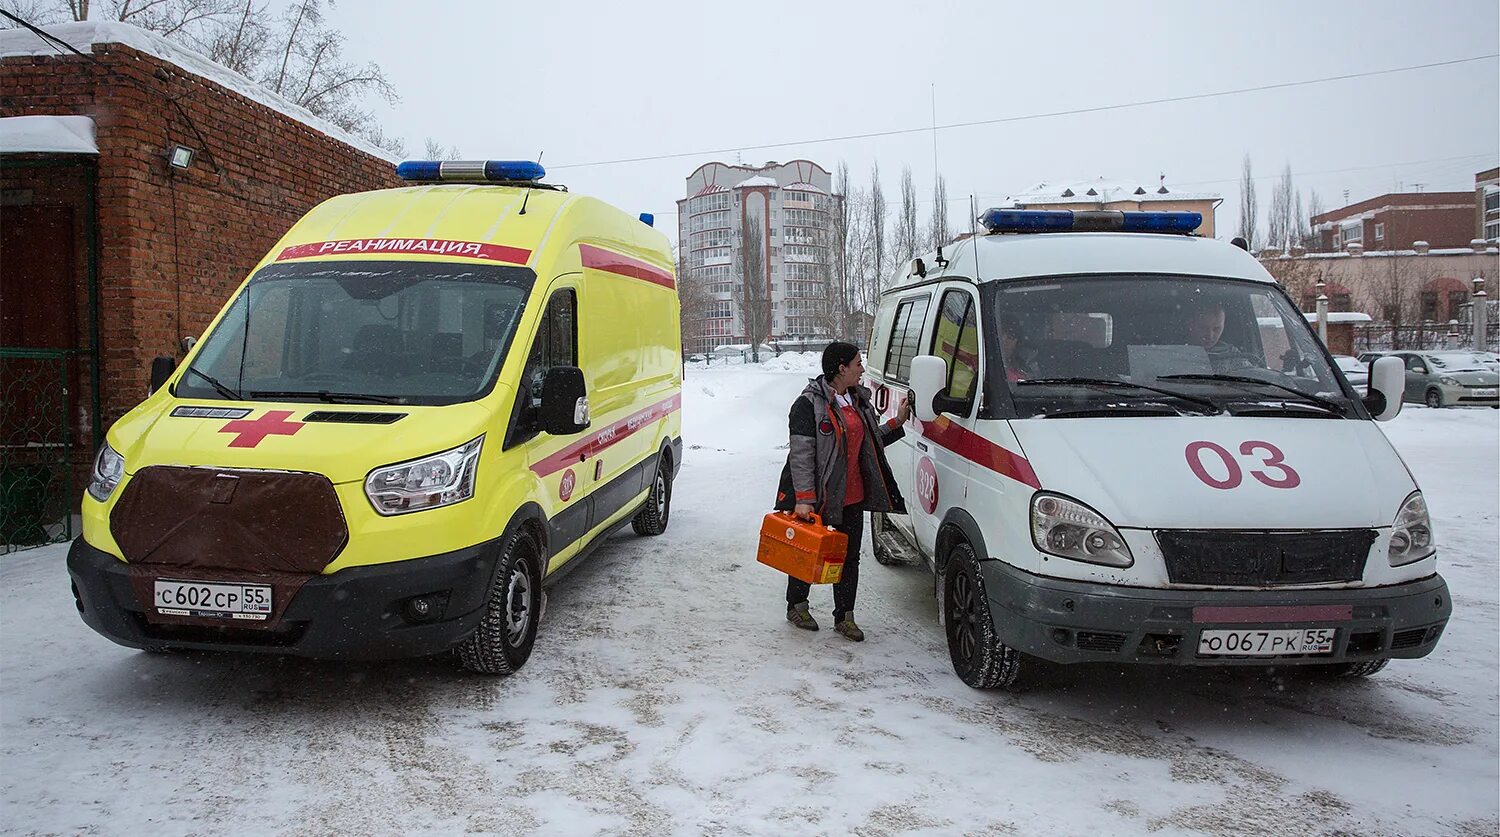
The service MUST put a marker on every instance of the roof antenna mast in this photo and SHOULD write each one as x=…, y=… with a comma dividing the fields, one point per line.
x=937, y=176
x=527, y=196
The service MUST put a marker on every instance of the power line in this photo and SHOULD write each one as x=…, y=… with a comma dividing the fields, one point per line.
x=1033, y=116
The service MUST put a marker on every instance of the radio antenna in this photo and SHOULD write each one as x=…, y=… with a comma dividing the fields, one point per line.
x=527, y=196
x=937, y=177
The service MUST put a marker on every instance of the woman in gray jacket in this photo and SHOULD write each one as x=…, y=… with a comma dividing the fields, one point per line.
x=836, y=468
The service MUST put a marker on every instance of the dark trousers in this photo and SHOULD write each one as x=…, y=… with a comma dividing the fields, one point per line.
x=848, y=584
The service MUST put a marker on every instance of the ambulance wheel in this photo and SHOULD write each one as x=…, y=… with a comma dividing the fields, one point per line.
x=502, y=642
x=1435, y=398
x=1351, y=670
x=979, y=657
x=652, y=518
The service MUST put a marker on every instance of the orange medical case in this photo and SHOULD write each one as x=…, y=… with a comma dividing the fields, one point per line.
x=811, y=552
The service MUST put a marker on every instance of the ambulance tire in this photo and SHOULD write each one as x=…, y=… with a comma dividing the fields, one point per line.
x=1351, y=671
x=652, y=519
x=979, y=658
x=502, y=642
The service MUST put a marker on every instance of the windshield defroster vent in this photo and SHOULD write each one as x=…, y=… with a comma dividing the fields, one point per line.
x=337, y=417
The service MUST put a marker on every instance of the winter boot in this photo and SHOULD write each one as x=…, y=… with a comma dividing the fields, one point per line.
x=797, y=614
x=850, y=631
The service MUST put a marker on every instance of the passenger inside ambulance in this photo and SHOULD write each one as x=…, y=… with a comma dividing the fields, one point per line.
x=1164, y=345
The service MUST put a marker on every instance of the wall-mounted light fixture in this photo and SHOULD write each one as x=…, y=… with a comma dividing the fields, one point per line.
x=181, y=157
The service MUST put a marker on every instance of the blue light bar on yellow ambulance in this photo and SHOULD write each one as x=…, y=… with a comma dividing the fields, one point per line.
x=471, y=171
x=1064, y=220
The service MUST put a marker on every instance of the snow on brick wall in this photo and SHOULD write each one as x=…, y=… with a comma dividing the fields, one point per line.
x=256, y=171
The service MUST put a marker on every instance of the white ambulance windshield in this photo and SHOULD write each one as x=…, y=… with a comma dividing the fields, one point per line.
x=363, y=332
x=1159, y=345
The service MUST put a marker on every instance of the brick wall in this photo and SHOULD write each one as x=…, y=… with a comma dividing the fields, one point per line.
x=173, y=244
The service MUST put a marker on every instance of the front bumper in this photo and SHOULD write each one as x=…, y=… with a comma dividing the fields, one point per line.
x=1077, y=622
x=355, y=613
x=1469, y=395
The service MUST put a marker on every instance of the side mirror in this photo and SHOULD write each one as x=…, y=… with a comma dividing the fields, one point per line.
x=1386, y=387
x=929, y=374
x=565, y=402
x=162, y=368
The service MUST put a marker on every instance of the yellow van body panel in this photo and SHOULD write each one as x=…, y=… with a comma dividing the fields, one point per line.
x=628, y=348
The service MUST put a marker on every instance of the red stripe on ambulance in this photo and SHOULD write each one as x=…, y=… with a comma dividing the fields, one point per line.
x=979, y=450
x=599, y=442
x=599, y=258
x=429, y=246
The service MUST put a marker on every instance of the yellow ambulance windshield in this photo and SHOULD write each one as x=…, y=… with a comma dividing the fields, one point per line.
x=398, y=332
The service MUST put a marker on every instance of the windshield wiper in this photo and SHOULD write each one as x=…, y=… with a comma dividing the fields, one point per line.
x=1129, y=410
x=325, y=395
x=218, y=387
x=1211, y=407
x=1241, y=379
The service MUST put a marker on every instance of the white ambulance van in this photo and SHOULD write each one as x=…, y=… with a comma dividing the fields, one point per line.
x=1127, y=445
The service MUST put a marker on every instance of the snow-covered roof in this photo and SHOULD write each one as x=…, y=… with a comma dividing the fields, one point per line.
x=83, y=35
x=806, y=187
x=756, y=181
x=1101, y=191
x=710, y=189
x=47, y=135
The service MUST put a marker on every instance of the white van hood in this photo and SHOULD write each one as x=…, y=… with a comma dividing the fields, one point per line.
x=1135, y=471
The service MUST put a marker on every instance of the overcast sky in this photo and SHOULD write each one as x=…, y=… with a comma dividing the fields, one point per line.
x=592, y=81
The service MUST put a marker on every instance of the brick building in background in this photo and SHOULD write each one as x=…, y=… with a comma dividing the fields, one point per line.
x=1442, y=219
x=109, y=254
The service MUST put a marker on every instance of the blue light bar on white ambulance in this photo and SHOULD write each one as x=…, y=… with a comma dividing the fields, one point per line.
x=472, y=171
x=1064, y=220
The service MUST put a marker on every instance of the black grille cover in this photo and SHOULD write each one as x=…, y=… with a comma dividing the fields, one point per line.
x=1264, y=559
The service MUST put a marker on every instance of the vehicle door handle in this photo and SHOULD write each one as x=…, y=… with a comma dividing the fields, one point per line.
x=922, y=446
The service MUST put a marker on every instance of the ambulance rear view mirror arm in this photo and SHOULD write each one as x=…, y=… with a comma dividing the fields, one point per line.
x=565, y=401
x=1387, y=385
x=929, y=376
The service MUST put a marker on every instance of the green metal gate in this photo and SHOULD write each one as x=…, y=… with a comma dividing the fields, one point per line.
x=50, y=416
x=39, y=465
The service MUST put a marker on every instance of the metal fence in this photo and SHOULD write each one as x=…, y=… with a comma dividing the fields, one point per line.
x=43, y=454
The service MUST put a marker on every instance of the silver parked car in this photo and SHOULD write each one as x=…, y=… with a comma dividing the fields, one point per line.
x=1356, y=372
x=1446, y=379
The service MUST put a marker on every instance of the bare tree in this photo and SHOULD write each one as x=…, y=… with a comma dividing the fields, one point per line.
x=877, y=228
x=840, y=249
x=1248, y=208
x=904, y=240
x=38, y=12
x=1280, y=220
x=938, y=231
x=296, y=55
x=826, y=305
x=752, y=293
x=1314, y=209
x=695, y=298
x=434, y=150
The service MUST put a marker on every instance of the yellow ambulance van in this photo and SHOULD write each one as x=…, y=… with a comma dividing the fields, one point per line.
x=422, y=406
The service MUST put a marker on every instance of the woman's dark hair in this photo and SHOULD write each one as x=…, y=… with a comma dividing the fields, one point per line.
x=837, y=354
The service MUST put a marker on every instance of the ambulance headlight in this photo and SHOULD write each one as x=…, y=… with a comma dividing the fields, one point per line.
x=441, y=479
x=1068, y=529
x=1411, y=533
x=109, y=469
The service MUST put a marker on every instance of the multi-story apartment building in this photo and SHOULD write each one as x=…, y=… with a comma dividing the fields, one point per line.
x=791, y=206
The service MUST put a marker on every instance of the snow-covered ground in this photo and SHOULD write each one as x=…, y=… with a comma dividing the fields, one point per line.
x=667, y=695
